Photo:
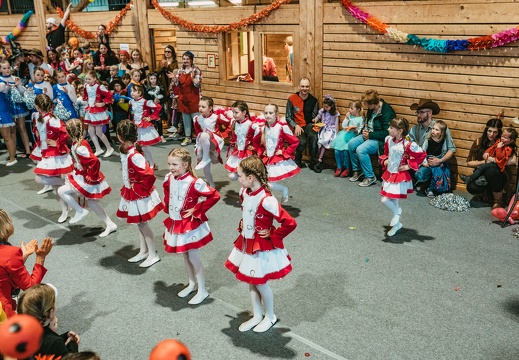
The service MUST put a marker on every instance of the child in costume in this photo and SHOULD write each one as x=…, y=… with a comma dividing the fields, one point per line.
x=55, y=158
x=7, y=124
x=144, y=112
x=86, y=180
x=329, y=117
x=209, y=142
x=259, y=254
x=243, y=131
x=140, y=202
x=155, y=93
x=270, y=145
x=400, y=155
x=187, y=230
x=65, y=93
x=351, y=127
x=96, y=114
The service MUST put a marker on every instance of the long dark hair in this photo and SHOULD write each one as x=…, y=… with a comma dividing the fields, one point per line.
x=495, y=123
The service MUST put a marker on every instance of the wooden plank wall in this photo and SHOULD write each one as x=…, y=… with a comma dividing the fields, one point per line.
x=470, y=87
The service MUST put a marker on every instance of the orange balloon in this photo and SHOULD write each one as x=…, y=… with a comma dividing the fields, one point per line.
x=170, y=349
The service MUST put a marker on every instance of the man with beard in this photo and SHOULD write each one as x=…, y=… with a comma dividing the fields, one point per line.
x=420, y=133
x=302, y=108
x=55, y=31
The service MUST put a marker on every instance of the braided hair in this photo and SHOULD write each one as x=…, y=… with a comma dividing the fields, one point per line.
x=127, y=132
x=254, y=166
x=44, y=104
x=75, y=132
x=185, y=157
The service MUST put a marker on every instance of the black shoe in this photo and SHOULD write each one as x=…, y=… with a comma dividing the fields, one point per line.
x=481, y=181
x=465, y=178
x=301, y=165
x=318, y=169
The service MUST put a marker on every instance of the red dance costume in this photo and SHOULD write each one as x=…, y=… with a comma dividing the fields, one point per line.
x=180, y=194
x=397, y=184
x=96, y=94
x=87, y=179
x=146, y=133
x=254, y=259
x=55, y=160
x=282, y=166
x=36, y=151
x=210, y=125
x=241, y=143
x=140, y=202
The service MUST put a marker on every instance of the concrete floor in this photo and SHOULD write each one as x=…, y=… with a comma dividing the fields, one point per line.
x=353, y=293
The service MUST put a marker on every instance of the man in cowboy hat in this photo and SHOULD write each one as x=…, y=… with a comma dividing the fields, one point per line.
x=55, y=31
x=36, y=60
x=425, y=109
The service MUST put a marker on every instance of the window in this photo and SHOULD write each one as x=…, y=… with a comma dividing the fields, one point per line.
x=274, y=63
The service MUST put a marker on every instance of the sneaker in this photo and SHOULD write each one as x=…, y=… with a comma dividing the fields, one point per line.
x=368, y=181
x=186, y=141
x=11, y=163
x=172, y=130
x=337, y=172
x=357, y=175
x=430, y=194
x=344, y=173
x=175, y=136
x=481, y=181
x=162, y=140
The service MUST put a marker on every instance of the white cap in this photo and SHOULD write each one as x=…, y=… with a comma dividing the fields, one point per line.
x=52, y=21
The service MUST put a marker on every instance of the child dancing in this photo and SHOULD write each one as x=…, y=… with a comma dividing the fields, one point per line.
x=55, y=158
x=259, y=254
x=86, y=180
x=140, y=202
x=278, y=158
x=400, y=155
x=187, y=230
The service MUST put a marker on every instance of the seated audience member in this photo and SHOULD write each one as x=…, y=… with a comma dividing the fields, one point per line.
x=371, y=139
x=13, y=274
x=40, y=301
x=422, y=131
x=436, y=147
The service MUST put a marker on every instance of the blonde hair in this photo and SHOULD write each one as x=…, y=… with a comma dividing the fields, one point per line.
x=75, y=131
x=184, y=156
x=38, y=301
x=6, y=226
x=255, y=167
x=264, y=132
x=443, y=129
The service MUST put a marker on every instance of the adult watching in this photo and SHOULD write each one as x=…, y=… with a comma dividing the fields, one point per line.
x=56, y=32
x=103, y=59
x=13, y=274
x=371, y=139
x=301, y=109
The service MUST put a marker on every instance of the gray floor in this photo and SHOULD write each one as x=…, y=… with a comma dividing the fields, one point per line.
x=353, y=293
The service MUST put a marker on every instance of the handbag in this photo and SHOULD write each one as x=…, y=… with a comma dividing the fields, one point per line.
x=440, y=178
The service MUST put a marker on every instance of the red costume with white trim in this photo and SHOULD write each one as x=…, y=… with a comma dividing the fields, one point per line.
x=241, y=143
x=397, y=184
x=146, y=133
x=36, y=151
x=210, y=125
x=279, y=166
x=93, y=94
x=87, y=179
x=140, y=201
x=180, y=194
x=56, y=160
x=255, y=259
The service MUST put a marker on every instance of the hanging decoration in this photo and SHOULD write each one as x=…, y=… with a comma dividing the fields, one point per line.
x=441, y=46
x=22, y=25
x=110, y=27
x=254, y=18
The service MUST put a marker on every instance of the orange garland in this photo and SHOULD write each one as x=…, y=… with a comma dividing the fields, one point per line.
x=254, y=18
x=112, y=25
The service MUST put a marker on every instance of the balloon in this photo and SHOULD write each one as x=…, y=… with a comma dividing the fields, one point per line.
x=170, y=349
x=21, y=336
x=500, y=214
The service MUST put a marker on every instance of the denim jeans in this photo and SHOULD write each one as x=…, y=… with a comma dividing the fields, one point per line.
x=342, y=159
x=423, y=174
x=187, y=120
x=360, y=151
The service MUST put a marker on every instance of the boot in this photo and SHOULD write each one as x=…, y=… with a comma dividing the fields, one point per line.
x=498, y=199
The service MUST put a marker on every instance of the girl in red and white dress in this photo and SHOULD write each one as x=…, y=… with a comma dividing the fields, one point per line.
x=55, y=158
x=96, y=113
x=270, y=145
x=144, y=111
x=86, y=180
x=209, y=142
x=400, y=155
x=140, y=201
x=259, y=254
x=243, y=131
x=187, y=230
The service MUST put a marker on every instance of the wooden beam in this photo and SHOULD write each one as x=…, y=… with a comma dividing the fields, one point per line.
x=140, y=18
x=39, y=13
